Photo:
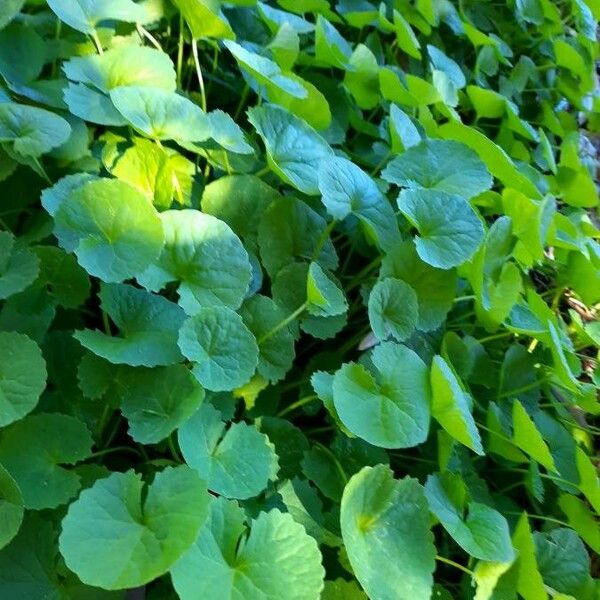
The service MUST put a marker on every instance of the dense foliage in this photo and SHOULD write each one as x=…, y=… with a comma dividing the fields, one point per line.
x=298, y=300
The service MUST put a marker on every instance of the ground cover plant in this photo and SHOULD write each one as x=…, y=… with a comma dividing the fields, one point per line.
x=298, y=300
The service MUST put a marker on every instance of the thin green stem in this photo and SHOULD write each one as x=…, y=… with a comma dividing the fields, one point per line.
x=539, y=517
x=335, y=460
x=298, y=404
x=262, y=172
x=106, y=324
x=324, y=237
x=113, y=451
x=144, y=33
x=456, y=565
x=283, y=323
x=180, y=44
x=199, y=74
x=42, y=171
x=242, y=102
x=174, y=453
x=463, y=298
x=496, y=336
x=521, y=390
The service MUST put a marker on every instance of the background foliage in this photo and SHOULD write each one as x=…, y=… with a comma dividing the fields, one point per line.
x=298, y=300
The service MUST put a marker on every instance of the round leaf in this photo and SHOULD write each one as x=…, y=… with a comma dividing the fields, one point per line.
x=390, y=410
x=236, y=463
x=222, y=349
x=385, y=527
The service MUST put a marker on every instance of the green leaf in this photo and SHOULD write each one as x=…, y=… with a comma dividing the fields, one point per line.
x=451, y=407
x=240, y=201
x=435, y=288
x=276, y=352
x=55, y=196
x=440, y=165
x=66, y=281
x=325, y=298
x=266, y=72
x=10, y=10
x=483, y=533
x=161, y=114
x=564, y=563
x=393, y=309
x=529, y=584
x=290, y=231
x=148, y=325
x=527, y=437
x=117, y=535
x=340, y=589
x=346, y=189
x=22, y=376
x=31, y=131
x=362, y=77
x=222, y=349
x=84, y=15
x=237, y=462
x=28, y=563
x=275, y=559
x=589, y=484
x=496, y=160
x=205, y=256
x=19, y=267
x=34, y=450
x=403, y=131
x=450, y=230
x=11, y=509
x=125, y=65
x=581, y=519
x=112, y=228
x=155, y=402
x=389, y=409
x=205, y=19
x=330, y=47
x=386, y=533
x=294, y=149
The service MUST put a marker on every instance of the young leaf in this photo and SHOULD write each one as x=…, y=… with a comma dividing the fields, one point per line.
x=275, y=559
x=324, y=295
x=387, y=536
x=393, y=309
x=115, y=536
x=449, y=229
x=237, y=462
x=19, y=267
x=222, y=349
x=391, y=409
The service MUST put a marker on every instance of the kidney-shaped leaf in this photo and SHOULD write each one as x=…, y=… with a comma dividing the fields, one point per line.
x=116, y=537
x=19, y=267
x=449, y=229
x=386, y=533
x=276, y=559
x=237, y=462
x=441, y=165
x=390, y=409
x=148, y=325
x=112, y=228
x=205, y=256
x=393, y=309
